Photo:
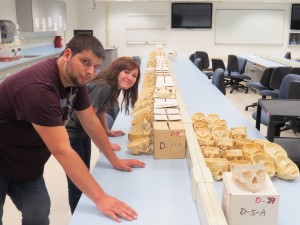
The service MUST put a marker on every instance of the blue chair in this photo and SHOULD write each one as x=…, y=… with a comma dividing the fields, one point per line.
x=137, y=59
x=289, y=89
x=232, y=66
x=205, y=63
x=110, y=121
x=240, y=76
x=218, y=80
x=295, y=70
x=288, y=55
x=192, y=57
x=263, y=84
x=114, y=111
x=111, y=115
x=198, y=64
x=235, y=73
x=277, y=77
x=217, y=63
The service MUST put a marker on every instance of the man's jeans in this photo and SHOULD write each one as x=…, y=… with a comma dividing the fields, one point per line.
x=30, y=197
x=83, y=147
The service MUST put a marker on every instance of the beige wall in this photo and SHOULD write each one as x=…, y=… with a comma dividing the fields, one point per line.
x=108, y=20
x=183, y=41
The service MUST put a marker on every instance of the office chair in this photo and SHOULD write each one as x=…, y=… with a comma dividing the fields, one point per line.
x=288, y=55
x=198, y=64
x=234, y=74
x=293, y=93
x=137, y=59
x=114, y=111
x=240, y=76
x=111, y=115
x=192, y=57
x=263, y=84
x=205, y=63
x=217, y=63
x=287, y=90
x=110, y=121
x=295, y=70
x=277, y=77
x=218, y=80
x=232, y=66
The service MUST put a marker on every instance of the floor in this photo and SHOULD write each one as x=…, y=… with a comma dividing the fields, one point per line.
x=57, y=184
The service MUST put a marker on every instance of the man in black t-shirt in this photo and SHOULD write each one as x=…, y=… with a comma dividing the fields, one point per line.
x=34, y=105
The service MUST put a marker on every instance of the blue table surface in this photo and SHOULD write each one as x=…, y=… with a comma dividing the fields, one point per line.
x=161, y=192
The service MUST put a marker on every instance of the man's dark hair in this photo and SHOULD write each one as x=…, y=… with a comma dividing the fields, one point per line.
x=82, y=42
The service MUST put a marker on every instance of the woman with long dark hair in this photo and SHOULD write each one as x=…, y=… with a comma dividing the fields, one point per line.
x=122, y=75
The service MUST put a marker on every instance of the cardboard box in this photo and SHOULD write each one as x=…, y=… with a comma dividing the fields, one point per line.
x=241, y=206
x=169, y=140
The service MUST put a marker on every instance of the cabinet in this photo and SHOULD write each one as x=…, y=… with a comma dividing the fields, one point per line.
x=41, y=15
x=59, y=15
x=254, y=71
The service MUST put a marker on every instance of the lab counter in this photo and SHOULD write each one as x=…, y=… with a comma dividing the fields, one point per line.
x=33, y=53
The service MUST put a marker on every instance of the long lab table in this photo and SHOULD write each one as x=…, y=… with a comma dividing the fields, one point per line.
x=161, y=192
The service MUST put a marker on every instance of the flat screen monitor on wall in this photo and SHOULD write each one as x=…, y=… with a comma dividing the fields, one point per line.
x=191, y=15
x=295, y=17
x=90, y=32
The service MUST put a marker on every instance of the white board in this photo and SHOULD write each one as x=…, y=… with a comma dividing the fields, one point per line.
x=249, y=26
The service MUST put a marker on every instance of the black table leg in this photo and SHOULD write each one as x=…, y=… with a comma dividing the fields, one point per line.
x=271, y=131
x=258, y=116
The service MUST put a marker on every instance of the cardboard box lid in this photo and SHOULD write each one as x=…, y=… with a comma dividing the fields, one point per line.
x=167, y=117
x=164, y=111
x=173, y=125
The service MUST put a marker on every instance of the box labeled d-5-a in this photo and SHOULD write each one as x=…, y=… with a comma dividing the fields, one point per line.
x=169, y=140
x=242, y=207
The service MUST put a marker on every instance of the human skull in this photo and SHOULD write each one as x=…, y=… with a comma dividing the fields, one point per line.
x=220, y=132
x=263, y=159
x=212, y=117
x=163, y=93
x=233, y=154
x=224, y=143
x=199, y=124
x=217, y=166
x=140, y=146
x=197, y=116
x=274, y=149
x=139, y=130
x=286, y=168
x=250, y=149
x=252, y=176
x=239, y=142
x=233, y=163
x=210, y=152
x=239, y=132
x=217, y=123
x=206, y=142
x=203, y=133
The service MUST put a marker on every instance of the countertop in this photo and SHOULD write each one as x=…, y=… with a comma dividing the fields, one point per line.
x=41, y=52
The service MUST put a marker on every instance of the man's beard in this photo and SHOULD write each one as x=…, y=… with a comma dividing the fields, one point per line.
x=70, y=75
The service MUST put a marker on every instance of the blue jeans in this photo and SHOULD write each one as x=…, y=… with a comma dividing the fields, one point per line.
x=30, y=197
x=83, y=147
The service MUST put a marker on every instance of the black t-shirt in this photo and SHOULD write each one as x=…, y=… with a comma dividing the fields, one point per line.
x=34, y=95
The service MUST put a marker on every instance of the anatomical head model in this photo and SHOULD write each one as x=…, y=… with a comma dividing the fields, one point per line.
x=251, y=176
